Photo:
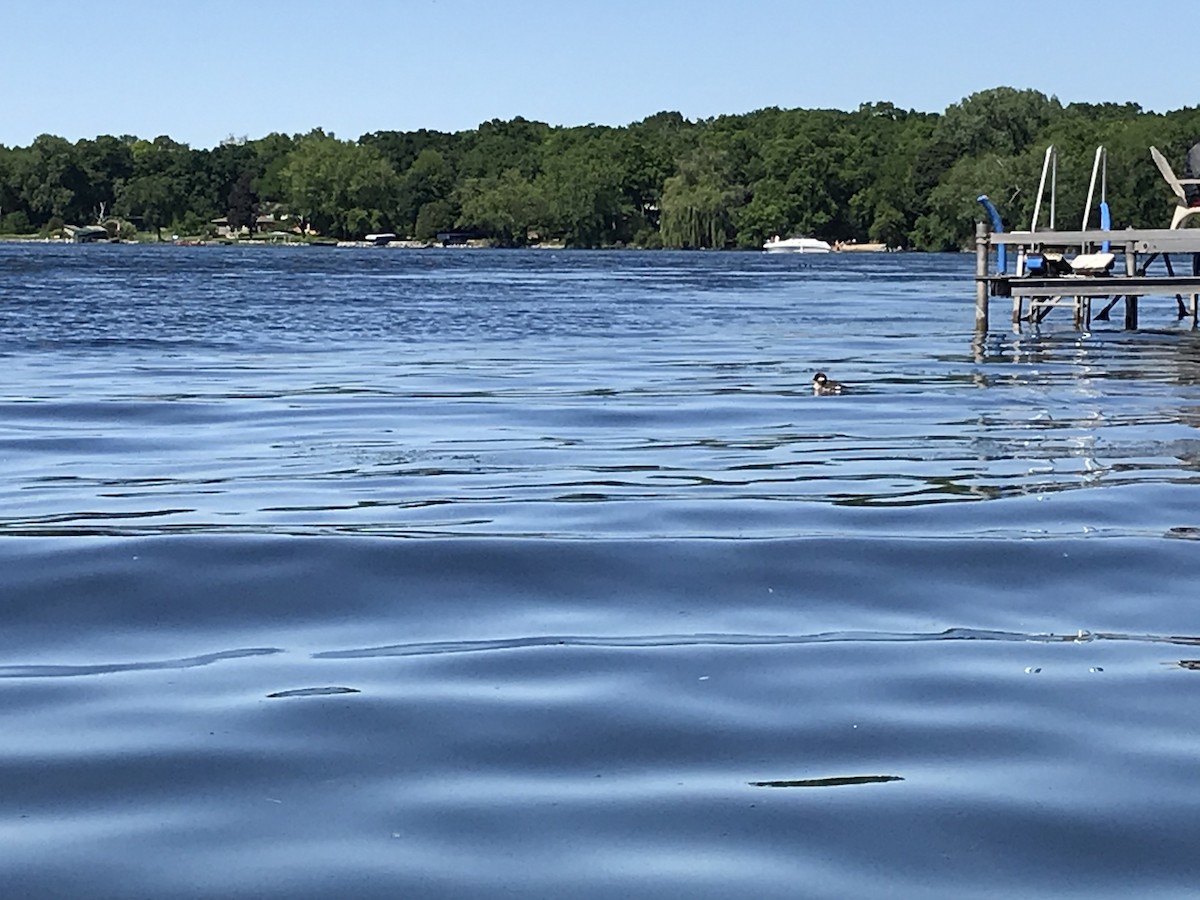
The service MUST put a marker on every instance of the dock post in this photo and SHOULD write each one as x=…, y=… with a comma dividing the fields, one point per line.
x=1017, y=303
x=982, y=243
x=1194, y=306
x=1131, y=300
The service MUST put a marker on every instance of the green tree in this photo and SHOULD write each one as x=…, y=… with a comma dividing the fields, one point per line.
x=793, y=197
x=584, y=187
x=340, y=188
x=273, y=153
x=242, y=209
x=46, y=177
x=1003, y=120
x=877, y=173
x=1137, y=193
x=434, y=217
x=497, y=146
x=881, y=143
x=506, y=207
x=429, y=179
x=402, y=148
x=235, y=165
x=16, y=223
x=152, y=199
x=8, y=193
x=160, y=188
x=104, y=163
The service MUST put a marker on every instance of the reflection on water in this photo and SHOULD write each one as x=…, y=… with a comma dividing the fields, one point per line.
x=422, y=447
x=383, y=574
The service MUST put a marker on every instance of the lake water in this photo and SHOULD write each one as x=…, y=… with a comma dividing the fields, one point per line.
x=374, y=573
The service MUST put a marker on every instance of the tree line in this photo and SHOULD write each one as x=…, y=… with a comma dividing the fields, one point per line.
x=905, y=178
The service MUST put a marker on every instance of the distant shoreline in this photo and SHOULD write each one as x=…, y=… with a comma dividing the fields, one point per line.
x=265, y=242
x=417, y=245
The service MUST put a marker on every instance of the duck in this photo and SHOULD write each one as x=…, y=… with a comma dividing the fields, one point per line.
x=823, y=385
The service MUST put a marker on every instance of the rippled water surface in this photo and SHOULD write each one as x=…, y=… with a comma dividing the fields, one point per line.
x=385, y=573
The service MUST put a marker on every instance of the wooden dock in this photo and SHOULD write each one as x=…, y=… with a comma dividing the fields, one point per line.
x=1071, y=269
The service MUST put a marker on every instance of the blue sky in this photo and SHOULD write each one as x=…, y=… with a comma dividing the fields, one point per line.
x=203, y=71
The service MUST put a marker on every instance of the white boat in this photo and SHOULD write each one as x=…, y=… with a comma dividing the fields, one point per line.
x=797, y=245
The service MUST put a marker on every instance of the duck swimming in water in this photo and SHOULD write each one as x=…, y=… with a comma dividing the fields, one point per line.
x=823, y=385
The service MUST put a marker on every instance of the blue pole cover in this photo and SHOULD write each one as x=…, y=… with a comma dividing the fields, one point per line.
x=998, y=227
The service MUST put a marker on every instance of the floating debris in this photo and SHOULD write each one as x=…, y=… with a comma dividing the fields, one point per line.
x=313, y=692
x=828, y=782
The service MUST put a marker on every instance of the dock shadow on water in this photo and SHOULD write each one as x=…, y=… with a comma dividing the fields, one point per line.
x=379, y=573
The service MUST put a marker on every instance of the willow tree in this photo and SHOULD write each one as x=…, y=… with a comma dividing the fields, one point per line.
x=698, y=204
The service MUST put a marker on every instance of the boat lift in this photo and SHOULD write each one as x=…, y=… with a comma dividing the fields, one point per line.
x=1049, y=164
x=1099, y=165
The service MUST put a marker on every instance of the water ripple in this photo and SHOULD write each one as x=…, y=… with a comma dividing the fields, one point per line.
x=434, y=648
x=187, y=662
x=573, y=498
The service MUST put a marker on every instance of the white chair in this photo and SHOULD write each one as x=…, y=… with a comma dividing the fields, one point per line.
x=1093, y=263
x=1182, y=208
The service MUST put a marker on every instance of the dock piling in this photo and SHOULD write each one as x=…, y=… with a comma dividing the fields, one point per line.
x=1131, y=300
x=982, y=252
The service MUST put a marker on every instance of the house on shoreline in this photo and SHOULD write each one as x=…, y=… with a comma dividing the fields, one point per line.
x=266, y=222
x=87, y=234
